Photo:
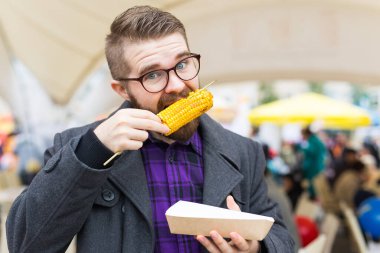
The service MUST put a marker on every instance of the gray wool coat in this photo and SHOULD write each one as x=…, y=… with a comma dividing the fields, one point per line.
x=109, y=210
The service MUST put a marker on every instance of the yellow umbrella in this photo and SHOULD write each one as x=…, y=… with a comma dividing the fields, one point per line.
x=309, y=107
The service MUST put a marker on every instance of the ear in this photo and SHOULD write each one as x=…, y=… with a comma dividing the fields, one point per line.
x=119, y=88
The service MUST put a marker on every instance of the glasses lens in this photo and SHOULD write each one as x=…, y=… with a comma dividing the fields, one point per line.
x=155, y=81
x=187, y=68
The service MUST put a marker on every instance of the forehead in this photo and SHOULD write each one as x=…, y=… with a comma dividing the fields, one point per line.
x=162, y=51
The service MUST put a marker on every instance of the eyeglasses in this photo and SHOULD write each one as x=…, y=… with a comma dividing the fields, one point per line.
x=157, y=80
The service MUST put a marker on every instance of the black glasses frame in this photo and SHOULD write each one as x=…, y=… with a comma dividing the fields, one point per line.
x=140, y=79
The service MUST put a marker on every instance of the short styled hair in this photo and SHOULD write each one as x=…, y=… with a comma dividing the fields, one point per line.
x=136, y=24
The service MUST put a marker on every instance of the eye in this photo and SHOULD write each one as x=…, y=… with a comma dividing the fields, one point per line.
x=152, y=75
x=182, y=65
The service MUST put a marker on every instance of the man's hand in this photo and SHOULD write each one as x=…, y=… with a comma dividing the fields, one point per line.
x=128, y=128
x=237, y=243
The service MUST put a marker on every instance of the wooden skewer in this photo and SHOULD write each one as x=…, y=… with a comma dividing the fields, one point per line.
x=111, y=158
x=208, y=85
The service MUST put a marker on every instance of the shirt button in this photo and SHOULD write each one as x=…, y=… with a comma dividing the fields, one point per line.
x=123, y=208
x=171, y=159
x=108, y=195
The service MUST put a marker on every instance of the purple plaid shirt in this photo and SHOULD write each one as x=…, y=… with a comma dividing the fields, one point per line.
x=174, y=172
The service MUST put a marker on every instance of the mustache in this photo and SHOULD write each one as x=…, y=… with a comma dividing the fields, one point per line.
x=168, y=99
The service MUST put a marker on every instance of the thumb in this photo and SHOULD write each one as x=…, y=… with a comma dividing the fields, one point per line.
x=231, y=204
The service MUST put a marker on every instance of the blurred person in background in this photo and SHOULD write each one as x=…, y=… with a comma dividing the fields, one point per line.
x=370, y=147
x=8, y=158
x=369, y=181
x=30, y=158
x=346, y=161
x=120, y=206
x=341, y=183
x=328, y=141
x=339, y=144
x=348, y=183
x=289, y=155
x=292, y=184
x=313, y=160
x=255, y=134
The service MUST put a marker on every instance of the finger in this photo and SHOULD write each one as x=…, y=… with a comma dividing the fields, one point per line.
x=219, y=241
x=136, y=134
x=131, y=145
x=140, y=113
x=239, y=242
x=231, y=204
x=142, y=119
x=207, y=244
x=149, y=125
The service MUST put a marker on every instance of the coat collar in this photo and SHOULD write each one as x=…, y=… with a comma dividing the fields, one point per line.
x=221, y=170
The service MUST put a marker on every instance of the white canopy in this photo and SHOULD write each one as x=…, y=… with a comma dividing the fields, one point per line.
x=61, y=41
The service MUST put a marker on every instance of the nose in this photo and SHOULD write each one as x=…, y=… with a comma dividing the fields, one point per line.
x=175, y=84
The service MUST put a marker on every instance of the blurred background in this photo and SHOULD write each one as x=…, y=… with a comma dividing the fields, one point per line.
x=300, y=76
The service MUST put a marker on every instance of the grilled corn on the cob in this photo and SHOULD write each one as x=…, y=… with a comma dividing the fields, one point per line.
x=186, y=109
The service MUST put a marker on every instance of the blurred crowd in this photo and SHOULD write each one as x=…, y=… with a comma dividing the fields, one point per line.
x=325, y=167
x=20, y=160
x=351, y=175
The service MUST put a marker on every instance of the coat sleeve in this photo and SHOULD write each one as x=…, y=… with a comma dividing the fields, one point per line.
x=278, y=238
x=47, y=215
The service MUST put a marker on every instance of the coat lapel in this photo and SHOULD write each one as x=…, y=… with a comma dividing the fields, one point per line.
x=129, y=176
x=221, y=169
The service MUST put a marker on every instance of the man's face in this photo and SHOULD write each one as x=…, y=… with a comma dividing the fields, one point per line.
x=164, y=53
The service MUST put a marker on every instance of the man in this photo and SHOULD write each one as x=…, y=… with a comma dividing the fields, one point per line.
x=120, y=206
x=314, y=158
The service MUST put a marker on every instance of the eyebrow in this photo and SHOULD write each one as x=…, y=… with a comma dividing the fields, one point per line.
x=156, y=66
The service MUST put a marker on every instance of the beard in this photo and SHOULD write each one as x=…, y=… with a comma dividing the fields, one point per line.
x=185, y=132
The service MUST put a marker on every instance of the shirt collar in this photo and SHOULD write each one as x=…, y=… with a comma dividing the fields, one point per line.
x=194, y=142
